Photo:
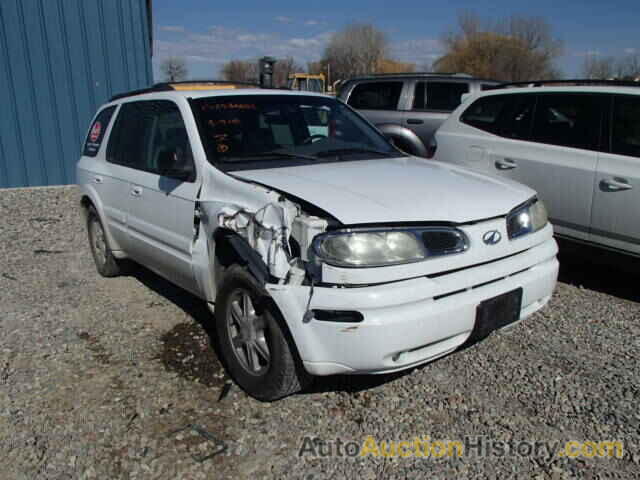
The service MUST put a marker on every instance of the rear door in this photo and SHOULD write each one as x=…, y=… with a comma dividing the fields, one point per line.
x=105, y=179
x=160, y=220
x=379, y=100
x=433, y=101
x=616, y=214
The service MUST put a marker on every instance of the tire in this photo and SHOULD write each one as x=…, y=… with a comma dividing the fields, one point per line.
x=256, y=346
x=106, y=264
x=403, y=146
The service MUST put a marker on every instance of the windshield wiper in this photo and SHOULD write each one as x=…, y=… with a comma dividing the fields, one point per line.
x=342, y=151
x=273, y=153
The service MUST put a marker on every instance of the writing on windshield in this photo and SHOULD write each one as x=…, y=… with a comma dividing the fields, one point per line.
x=259, y=128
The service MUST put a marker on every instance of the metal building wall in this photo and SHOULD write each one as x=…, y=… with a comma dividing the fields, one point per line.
x=59, y=60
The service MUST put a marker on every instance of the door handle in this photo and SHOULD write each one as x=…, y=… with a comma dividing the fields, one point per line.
x=506, y=164
x=615, y=184
x=136, y=191
x=97, y=179
x=414, y=121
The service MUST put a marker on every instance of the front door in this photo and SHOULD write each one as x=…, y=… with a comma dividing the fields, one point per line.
x=160, y=221
x=555, y=154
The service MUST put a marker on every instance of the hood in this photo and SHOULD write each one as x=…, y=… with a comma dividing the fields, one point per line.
x=395, y=190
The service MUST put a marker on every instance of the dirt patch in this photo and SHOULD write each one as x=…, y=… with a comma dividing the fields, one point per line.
x=187, y=350
x=94, y=346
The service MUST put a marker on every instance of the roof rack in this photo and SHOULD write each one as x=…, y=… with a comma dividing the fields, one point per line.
x=186, y=85
x=573, y=82
x=420, y=74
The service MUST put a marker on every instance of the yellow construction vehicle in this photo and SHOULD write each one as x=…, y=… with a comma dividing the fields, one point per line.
x=307, y=81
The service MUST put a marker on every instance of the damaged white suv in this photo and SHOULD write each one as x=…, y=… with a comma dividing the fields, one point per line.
x=320, y=248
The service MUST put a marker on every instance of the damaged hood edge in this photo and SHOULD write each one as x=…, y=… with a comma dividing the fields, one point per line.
x=394, y=190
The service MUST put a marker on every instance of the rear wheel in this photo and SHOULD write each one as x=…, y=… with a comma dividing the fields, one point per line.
x=255, y=345
x=106, y=264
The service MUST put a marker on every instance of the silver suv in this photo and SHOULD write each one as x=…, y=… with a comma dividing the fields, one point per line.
x=408, y=108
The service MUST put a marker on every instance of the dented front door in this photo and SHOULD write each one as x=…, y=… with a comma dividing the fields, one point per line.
x=160, y=221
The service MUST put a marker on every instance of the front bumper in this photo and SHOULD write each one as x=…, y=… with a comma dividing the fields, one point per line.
x=412, y=321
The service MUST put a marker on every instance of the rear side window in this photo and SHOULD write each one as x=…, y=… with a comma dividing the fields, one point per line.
x=442, y=96
x=376, y=96
x=570, y=120
x=97, y=131
x=144, y=131
x=626, y=126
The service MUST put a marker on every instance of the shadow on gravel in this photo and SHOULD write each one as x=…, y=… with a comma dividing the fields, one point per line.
x=600, y=270
x=352, y=383
x=188, y=349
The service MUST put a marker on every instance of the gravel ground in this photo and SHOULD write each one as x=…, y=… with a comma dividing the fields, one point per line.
x=116, y=378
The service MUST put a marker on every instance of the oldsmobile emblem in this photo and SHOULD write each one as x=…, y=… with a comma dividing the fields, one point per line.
x=491, y=237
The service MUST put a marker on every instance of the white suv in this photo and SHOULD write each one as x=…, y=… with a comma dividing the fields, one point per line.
x=578, y=146
x=320, y=248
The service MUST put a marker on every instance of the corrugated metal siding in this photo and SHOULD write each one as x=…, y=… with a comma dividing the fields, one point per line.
x=59, y=60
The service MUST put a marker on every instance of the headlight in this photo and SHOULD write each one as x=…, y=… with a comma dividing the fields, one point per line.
x=527, y=218
x=376, y=248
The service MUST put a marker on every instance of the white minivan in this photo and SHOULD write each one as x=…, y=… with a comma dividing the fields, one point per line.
x=577, y=143
x=319, y=247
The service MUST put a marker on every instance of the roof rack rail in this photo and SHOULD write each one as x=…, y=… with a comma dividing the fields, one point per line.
x=185, y=85
x=573, y=82
x=399, y=74
x=418, y=74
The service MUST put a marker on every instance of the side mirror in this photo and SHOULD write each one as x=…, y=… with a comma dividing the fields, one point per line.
x=173, y=164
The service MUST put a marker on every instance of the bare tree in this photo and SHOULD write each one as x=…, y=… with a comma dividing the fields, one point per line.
x=387, y=65
x=611, y=67
x=513, y=49
x=597, y=67
x=356, y=50
x=629, y=67
x=240, y=70
x=283, y=68
x=174, y=69
x=247, y=70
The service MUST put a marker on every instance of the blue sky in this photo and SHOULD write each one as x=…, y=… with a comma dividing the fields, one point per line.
x=209, y=32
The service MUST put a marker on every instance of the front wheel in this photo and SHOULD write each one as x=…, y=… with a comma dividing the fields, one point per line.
x=253, y=341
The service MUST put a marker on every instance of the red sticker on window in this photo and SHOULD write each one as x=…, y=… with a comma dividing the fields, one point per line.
x=95, y=132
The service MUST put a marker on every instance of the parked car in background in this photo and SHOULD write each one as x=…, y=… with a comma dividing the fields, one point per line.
x=408, y=108
x=320, y=247
x=575, y=142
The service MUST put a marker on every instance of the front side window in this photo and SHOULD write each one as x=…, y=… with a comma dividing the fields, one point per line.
x=626, y=126
x=376, y=96
x=517, y=116
x=484, y=113
x=570, y=120
x=147, y=131
x=266, y=131
x=509, y=116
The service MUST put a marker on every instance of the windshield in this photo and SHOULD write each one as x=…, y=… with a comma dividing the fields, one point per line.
x=265, y=131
